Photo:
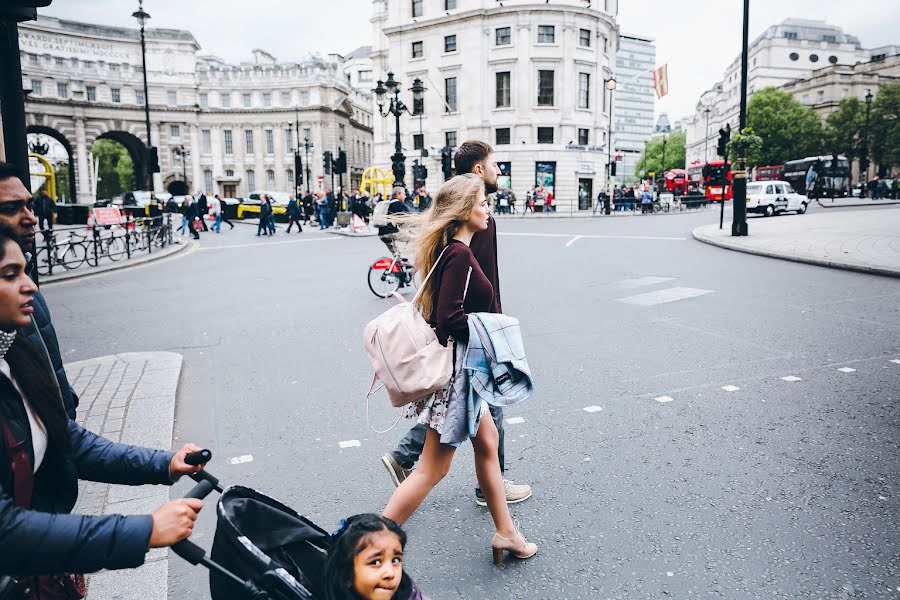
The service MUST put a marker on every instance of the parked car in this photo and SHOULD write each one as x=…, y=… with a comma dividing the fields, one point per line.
x=771, y=197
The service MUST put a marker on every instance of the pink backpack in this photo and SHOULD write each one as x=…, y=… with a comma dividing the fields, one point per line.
x=405, y=352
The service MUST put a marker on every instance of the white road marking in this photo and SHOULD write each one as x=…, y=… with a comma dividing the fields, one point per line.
x=261, y=244
x=730, y=388
x=791, y=378
x=663, y=296
x=350, y=444
x=573, y=240
x=237, y=460
x=592, y=409
x=642, y=281
x=596, y=237
x=664, y=399
x=514, y=420
x=896, y=361
x=847, y=370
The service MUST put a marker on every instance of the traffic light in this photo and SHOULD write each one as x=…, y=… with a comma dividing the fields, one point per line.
x=326, y=162
x=446, y=163
x=298, y=168
x=612, y=169
x=340, y=165
x=21, y=10
x=724, y=138
x=152, y=160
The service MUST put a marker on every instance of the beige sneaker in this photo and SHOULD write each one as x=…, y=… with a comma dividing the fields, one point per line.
x=515, y=493
x=398, y=474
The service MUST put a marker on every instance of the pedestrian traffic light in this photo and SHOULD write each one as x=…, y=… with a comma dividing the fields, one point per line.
x=326, y=162
x=612, y=169
x=724, y=138
x=152, y=160
x=446, y=163
x=340, y=165
x=298, y=168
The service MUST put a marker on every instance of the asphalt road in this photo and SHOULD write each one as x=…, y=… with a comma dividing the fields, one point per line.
x=778, y=489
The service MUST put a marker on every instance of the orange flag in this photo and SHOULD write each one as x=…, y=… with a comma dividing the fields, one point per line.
x=661, y=80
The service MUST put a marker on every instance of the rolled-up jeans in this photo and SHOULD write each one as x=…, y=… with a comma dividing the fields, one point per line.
x=410, y=447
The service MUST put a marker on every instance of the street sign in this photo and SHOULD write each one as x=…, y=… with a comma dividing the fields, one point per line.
x=107, y=215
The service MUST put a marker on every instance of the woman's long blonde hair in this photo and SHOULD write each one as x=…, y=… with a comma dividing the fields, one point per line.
x=433, y=229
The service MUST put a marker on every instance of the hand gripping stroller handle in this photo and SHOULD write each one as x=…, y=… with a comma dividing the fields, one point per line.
x=198, y=458
x=189, y=551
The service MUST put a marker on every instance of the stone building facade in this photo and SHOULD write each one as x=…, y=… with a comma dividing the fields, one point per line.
x=237, y=125
x=527, y=77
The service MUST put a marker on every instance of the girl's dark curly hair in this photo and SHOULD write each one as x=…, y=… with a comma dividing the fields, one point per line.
x=349, y=541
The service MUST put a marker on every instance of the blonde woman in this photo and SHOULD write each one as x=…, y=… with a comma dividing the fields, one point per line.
x=457, y=287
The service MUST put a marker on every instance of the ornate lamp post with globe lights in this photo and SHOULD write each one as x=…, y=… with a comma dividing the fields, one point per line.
x=152, y=160
x=396, y=107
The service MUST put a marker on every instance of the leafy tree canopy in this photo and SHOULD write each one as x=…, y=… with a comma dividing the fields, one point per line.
x=788, y=129
x=652, y=157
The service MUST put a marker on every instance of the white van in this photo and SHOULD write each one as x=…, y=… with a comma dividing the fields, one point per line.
x=770, y=197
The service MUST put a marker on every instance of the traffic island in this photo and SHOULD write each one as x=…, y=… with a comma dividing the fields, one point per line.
x=866, y=241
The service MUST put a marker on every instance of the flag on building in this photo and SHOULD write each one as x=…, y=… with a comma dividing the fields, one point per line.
x=661, y=80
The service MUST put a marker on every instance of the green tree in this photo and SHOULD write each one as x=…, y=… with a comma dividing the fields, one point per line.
x=884, y=128
x=63, y=194
x=115, y=172
x=788, y=129
x=652, y=158
x=844, y=127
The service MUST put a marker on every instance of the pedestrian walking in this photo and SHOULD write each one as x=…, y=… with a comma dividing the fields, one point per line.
x=456, y=288
x=271, y=202
x=185, y=222
x=45, y=210
x=646, y=200
x=202, y=208
x=548, y=202
x=191, y=217
x=293, y=215
x=478, y=158
x=331, y=205
x=322, y=211
x=216, y=209
x=224, y=214
x=265, y=212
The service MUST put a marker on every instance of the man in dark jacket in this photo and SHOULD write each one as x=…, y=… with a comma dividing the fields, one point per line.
x=15, y=212
x=45, y=210
x=293, y=215
x=192, y=214
x=265, y=215
x=202, y=208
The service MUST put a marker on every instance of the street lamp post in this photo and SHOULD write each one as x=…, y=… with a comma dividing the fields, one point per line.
x=396, y=107
x=739, y=176
x=611, y=86
x=864, y=159
x=706, y=137
x=184, y=156
x=142, y=18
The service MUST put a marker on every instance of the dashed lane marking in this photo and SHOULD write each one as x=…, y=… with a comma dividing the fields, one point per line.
x=664, y=399
x=730, y=388
x=847, y=370
x=896, y=361
x=637, y=282
x=592, y=409
x=664, y=296
x=791, y=378
x=595, y=237
x=349, y=444
x=514, y=420
x=239, y=460
x=573, y=240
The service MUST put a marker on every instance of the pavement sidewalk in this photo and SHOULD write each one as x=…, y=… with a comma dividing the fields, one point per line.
x=128, y=398
x=845, y=202
x=867, y=241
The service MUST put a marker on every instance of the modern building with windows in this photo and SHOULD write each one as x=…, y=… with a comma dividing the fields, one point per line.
x=633, y=102
x=236, y=125
x=791, y=50
x=530, y=81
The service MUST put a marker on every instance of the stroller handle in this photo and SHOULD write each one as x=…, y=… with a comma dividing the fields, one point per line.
x=198, y=458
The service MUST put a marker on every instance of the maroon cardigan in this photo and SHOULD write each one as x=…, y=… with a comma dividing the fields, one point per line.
x=484, y=247
x=448, y=310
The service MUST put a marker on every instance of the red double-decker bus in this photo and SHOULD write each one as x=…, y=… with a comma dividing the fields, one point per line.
x=717, y=180
x=695, y=176
x=676, y=181
x=769, y=173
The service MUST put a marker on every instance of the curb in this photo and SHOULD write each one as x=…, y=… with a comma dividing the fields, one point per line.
x=860, y=205
x=116, y=266
x=819, y=262
x=128, y=398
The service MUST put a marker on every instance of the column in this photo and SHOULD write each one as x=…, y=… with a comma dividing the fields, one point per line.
x=84, y=191
x=197, y=173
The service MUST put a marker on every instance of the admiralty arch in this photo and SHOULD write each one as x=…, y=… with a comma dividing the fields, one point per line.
x=235, y=126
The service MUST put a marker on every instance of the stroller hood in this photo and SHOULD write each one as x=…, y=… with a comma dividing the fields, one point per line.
x=255, y=536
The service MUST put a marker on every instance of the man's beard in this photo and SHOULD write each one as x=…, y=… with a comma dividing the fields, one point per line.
x=490, y=188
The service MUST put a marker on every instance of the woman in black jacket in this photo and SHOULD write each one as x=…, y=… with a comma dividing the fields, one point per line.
x=44, y=454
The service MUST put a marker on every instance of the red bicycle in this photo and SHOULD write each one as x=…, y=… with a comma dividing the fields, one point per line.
x=388, y=274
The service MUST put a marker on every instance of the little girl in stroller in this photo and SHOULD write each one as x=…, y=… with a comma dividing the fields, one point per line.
x=365, y=561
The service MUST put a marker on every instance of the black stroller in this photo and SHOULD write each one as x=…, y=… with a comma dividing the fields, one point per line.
x=262, y=549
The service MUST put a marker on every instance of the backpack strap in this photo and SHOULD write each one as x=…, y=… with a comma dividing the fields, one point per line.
x=427, y=277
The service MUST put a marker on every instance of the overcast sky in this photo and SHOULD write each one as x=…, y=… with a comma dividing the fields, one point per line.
x=698, y=40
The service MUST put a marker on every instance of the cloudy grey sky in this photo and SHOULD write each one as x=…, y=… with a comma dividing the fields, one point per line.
x=698, y=40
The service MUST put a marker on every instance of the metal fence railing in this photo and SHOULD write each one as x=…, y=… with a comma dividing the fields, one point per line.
x=68, y=249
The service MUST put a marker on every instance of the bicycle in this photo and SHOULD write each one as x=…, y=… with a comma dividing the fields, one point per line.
x=388, y=275
x=49, y=255
x=112, y=247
